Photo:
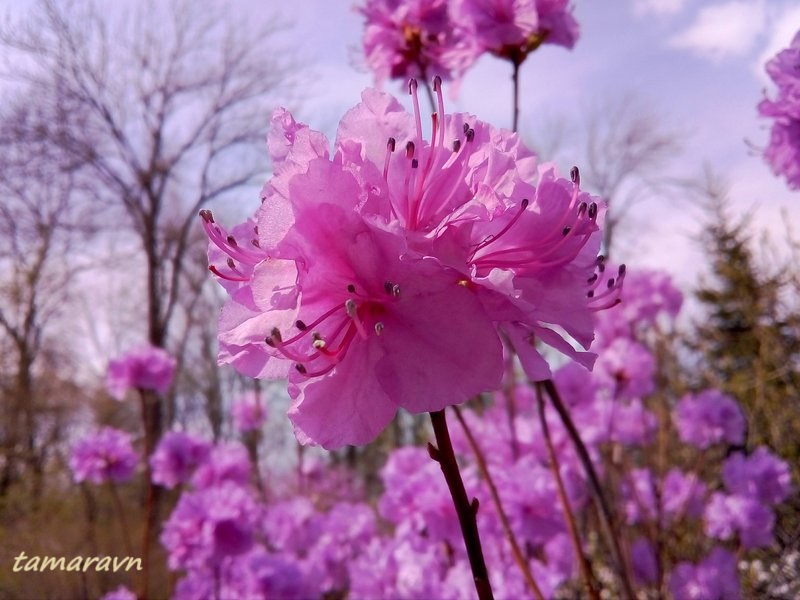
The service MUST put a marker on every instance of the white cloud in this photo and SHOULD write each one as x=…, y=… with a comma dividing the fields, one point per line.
x=783, y=25
x=658, y=7
x=723, y=30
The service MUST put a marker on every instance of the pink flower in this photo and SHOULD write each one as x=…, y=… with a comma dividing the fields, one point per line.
x=106, y=455
x=249, y=413
x=176, y=457
x=413, y=38
x=709, y=418
x=761, y=475
x=726, y=516
x=783, y=151
x=713, y=578
x=377, y=274
x=143, y=368
x=513, y=29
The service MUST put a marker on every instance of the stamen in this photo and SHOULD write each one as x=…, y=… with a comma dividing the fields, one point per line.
x=351, y=288
x=456, y=145
x=301, y=368
x=207, y=216
x=494, y=237
x=300, y=325
x=391, y=288
x=412, y=89
x=350, y=307
x=379, y=327
x=390, y=146
x=575, y=175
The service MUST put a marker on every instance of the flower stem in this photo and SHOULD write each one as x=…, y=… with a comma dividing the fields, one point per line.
x=515, y=81
x=126, y=534
x=483, y=468
x=604, y=510
x=586, y=572
x=466, y=510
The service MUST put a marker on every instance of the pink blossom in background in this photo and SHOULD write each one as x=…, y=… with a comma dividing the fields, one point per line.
x=121, y=593
x=761, y=475
x=209, y=525
x=709, y=418
x=105, y=455
x=249, y=412
x=375, y=275
x=143, y=368
x=514, y=28
x=713, y=578
x=176, y=457
x=783, y=150
x=413, y=38
x=727, y=516
x=226, y=462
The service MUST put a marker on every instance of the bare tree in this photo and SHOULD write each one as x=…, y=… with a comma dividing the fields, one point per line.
x=43, y=216
x=164, y=107
x=627, y=148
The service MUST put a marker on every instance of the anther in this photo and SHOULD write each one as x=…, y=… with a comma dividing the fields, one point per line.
x=590, y=294
x=610, y=283
x=207, y=216
x=231, y=264
x=566, y=230
x=391, y=144
x=232, y=240
x=466, y=128
x=412, y=85
x=391, y=288
x=622, y=269
x=582, y=208
x=300, y=368
x=300, y=325
x=575, y=175
x=351, y=288
x=275, y=334
x=592, y=279
x=350, y=307
x=414, y=163
x=470, y=134
x=525, y=203
x=255, y=243
x=379, y=327
x=269, y=342
x=592, y=210
x=437, y=83
x=318, y=342
x=410, y=150
x=456, y=145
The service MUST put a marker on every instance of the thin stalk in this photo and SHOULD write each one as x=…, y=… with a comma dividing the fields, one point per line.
x=466, y=510
x=126, y=534
x=484, y=470
x=515, y=81
x=604, y=510
x=586, y=571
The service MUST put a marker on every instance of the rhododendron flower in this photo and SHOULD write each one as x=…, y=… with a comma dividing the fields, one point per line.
x=249, y=413
x=413, y=38
x=761, y=475
x=225, y=462
x=513, y=29
x=121, y=593
x=176, y=457
x=709, y=418
x=143, y=368
x=106, y=455
x=726, y=516
x=376, y=275
x=783, y=150
x=210, y=524
x=713, y=578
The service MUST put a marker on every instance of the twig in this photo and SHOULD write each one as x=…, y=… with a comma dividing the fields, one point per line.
x=483, y=468
x=466, y=510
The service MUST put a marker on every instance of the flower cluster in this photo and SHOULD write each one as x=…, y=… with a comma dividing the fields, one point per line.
x=106, y=455
x=143, y=368
x=783, y=150
x=371, y=278
x=425, y=37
